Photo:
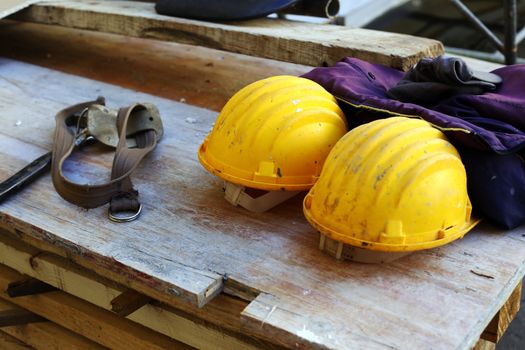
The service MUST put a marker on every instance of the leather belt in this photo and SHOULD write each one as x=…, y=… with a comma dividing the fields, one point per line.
x=134, y=132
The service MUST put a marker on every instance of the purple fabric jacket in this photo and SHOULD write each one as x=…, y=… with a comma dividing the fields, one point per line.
x=492, y=121
x=487, y=129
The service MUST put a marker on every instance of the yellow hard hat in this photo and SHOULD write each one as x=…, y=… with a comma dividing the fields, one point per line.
x=392, y=185
x=274, y=134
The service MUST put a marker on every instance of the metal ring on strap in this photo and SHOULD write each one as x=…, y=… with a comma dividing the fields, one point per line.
x=127, y=218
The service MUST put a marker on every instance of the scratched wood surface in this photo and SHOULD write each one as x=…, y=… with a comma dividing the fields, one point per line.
x=189, y=241
x=303, y=43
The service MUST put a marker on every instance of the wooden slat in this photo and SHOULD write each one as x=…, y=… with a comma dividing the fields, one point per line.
x=85, y=285
x=8, y=342
x=303, y=43
x=15, y=317
x=47, y=336
x=306, y=297
x=504, y=317
x=128, y=302
x=196, y=75
x=87, y=320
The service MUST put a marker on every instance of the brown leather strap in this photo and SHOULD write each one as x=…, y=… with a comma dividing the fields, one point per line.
x=119, y=190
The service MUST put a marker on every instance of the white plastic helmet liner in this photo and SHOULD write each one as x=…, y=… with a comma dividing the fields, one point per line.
x=236, y=195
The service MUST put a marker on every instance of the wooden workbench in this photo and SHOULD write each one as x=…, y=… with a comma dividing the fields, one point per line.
x=218, y=277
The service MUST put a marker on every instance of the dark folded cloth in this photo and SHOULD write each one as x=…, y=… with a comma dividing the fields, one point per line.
x=496, y=185
x=220, y=10
x=434, y=80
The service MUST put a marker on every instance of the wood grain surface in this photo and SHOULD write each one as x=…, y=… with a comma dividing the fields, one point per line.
x=47, y=335
x=303, y=43
x=8, y=342
x=195, y=75
x=189, y=239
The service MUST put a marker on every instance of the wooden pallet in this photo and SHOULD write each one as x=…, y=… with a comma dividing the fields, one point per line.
x=217, y=276
x=77, y=283
x=68, y=319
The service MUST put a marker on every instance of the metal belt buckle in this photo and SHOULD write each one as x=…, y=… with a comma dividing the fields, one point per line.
x=126, y=218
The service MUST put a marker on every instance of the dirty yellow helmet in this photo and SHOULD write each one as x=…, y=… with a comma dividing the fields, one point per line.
x=394, y=185
x=274, y=135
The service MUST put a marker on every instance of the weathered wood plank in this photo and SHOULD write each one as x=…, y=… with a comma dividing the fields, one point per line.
x=92, y=322
x=303, y=43
x=196, y=75
x=98, y=291
x=195, y=285
x=316, y=301
x=47, y=336
x=504, y=317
